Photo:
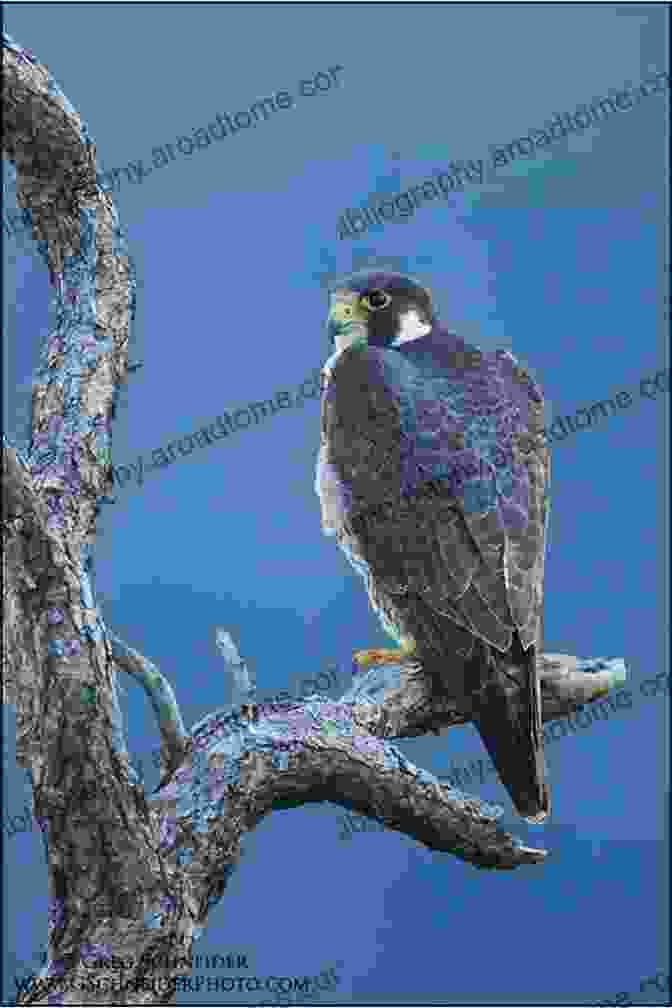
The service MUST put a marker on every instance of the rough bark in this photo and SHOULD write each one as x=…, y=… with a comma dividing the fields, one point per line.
x=130, y=875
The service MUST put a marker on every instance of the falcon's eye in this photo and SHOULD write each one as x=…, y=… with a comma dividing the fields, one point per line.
x=376, y=299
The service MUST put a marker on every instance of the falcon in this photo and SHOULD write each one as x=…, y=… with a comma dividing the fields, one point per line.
x=432, y=475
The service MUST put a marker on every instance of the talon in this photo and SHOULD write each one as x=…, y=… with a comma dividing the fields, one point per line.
x=384, y=656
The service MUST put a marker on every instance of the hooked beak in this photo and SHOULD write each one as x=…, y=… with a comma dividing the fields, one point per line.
x=347, y=325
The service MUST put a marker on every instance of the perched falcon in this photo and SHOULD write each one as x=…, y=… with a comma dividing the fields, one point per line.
x=433, y=476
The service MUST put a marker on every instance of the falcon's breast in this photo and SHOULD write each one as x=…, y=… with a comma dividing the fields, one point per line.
x=393, y=423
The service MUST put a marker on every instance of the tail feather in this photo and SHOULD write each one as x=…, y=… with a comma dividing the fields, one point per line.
x=506, y=709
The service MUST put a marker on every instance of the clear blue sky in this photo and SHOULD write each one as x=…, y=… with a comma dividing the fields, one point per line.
x=558, y=259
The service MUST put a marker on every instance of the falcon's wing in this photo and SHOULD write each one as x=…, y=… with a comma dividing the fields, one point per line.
x=527, y=548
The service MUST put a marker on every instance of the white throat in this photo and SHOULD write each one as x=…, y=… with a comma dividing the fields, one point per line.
x=411, y=328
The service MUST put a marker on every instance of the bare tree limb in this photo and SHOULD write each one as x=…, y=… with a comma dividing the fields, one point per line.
x=161, y=695
x=397, y=701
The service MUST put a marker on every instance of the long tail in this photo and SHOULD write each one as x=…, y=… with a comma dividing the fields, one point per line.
x=506, y=709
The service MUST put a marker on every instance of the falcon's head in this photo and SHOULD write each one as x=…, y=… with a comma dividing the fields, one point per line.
x=378, y=309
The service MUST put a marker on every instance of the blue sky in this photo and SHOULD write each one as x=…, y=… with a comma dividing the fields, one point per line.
x=559, y=259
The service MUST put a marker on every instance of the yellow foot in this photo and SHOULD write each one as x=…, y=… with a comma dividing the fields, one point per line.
x=384, y=656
